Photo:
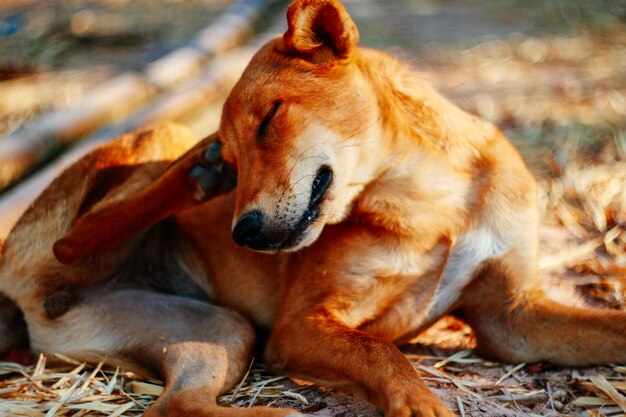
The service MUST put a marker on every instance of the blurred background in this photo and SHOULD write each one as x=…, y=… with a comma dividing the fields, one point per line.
x=550, y=73
x=512, y=61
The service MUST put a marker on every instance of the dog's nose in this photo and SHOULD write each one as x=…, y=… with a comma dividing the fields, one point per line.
x=247, y=231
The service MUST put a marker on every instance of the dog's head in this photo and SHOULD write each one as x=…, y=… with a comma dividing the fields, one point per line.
x=295, y=126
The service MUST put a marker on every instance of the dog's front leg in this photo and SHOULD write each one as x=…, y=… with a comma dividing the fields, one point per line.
x=317, y=344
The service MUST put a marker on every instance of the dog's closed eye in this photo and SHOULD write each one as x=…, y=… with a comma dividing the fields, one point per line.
x=267, y=119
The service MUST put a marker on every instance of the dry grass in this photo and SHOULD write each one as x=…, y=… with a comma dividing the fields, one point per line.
x=470, y=384
x=478, y=387
x=71, y=388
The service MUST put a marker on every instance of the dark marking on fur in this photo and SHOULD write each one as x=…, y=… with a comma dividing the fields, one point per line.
x=103, y=182
x=154, y=264
x=13, y=330
x=58, y=303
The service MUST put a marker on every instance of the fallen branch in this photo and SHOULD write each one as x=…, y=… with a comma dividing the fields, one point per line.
x=27, y=147
x=170, y=106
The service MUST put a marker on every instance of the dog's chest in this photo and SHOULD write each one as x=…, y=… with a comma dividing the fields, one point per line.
x=467, y=254
x=422, y=286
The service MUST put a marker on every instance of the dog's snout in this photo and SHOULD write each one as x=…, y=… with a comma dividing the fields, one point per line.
x=320, y=184
x=262, y=232
x=247, y=231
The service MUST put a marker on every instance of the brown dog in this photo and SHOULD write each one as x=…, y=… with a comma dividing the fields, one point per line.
x=373, y=207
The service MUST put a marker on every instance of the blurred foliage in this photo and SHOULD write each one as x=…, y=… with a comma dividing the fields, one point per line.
x=558, y=14
x=549, y=147
x=36, y=36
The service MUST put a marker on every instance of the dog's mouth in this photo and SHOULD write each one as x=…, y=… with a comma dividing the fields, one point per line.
x=250, y=231
x=321, y=184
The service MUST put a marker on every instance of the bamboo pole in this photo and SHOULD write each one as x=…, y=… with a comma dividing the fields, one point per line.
x=171, y=106
x=27, y=147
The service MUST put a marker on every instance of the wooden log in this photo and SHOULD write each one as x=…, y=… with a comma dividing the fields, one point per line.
x=27, y=147
x=172, y=106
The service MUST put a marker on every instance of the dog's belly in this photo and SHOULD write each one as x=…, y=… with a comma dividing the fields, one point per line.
x=471, y=250
x=401, y=310
x=402, y=314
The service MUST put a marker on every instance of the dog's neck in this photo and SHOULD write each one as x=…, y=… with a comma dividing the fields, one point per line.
x=413, y=114
x=427, y=142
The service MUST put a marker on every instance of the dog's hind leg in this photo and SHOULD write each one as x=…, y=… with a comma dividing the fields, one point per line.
x=518, y=324
x=201, y=350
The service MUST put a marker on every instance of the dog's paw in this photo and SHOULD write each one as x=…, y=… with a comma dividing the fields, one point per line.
x=212, y=176
x=206, y=180
x=417, y=404
x=422, y=410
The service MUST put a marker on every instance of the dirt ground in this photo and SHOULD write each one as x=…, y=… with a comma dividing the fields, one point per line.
x=551, y=75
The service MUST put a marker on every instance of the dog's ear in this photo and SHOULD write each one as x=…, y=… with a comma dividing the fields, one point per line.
x=320, y=30
x=196, y=176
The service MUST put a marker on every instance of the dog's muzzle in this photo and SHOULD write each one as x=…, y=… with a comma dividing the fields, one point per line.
x=253, y=231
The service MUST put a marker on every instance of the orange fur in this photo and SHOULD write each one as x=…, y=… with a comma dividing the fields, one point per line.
x=429, y=211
